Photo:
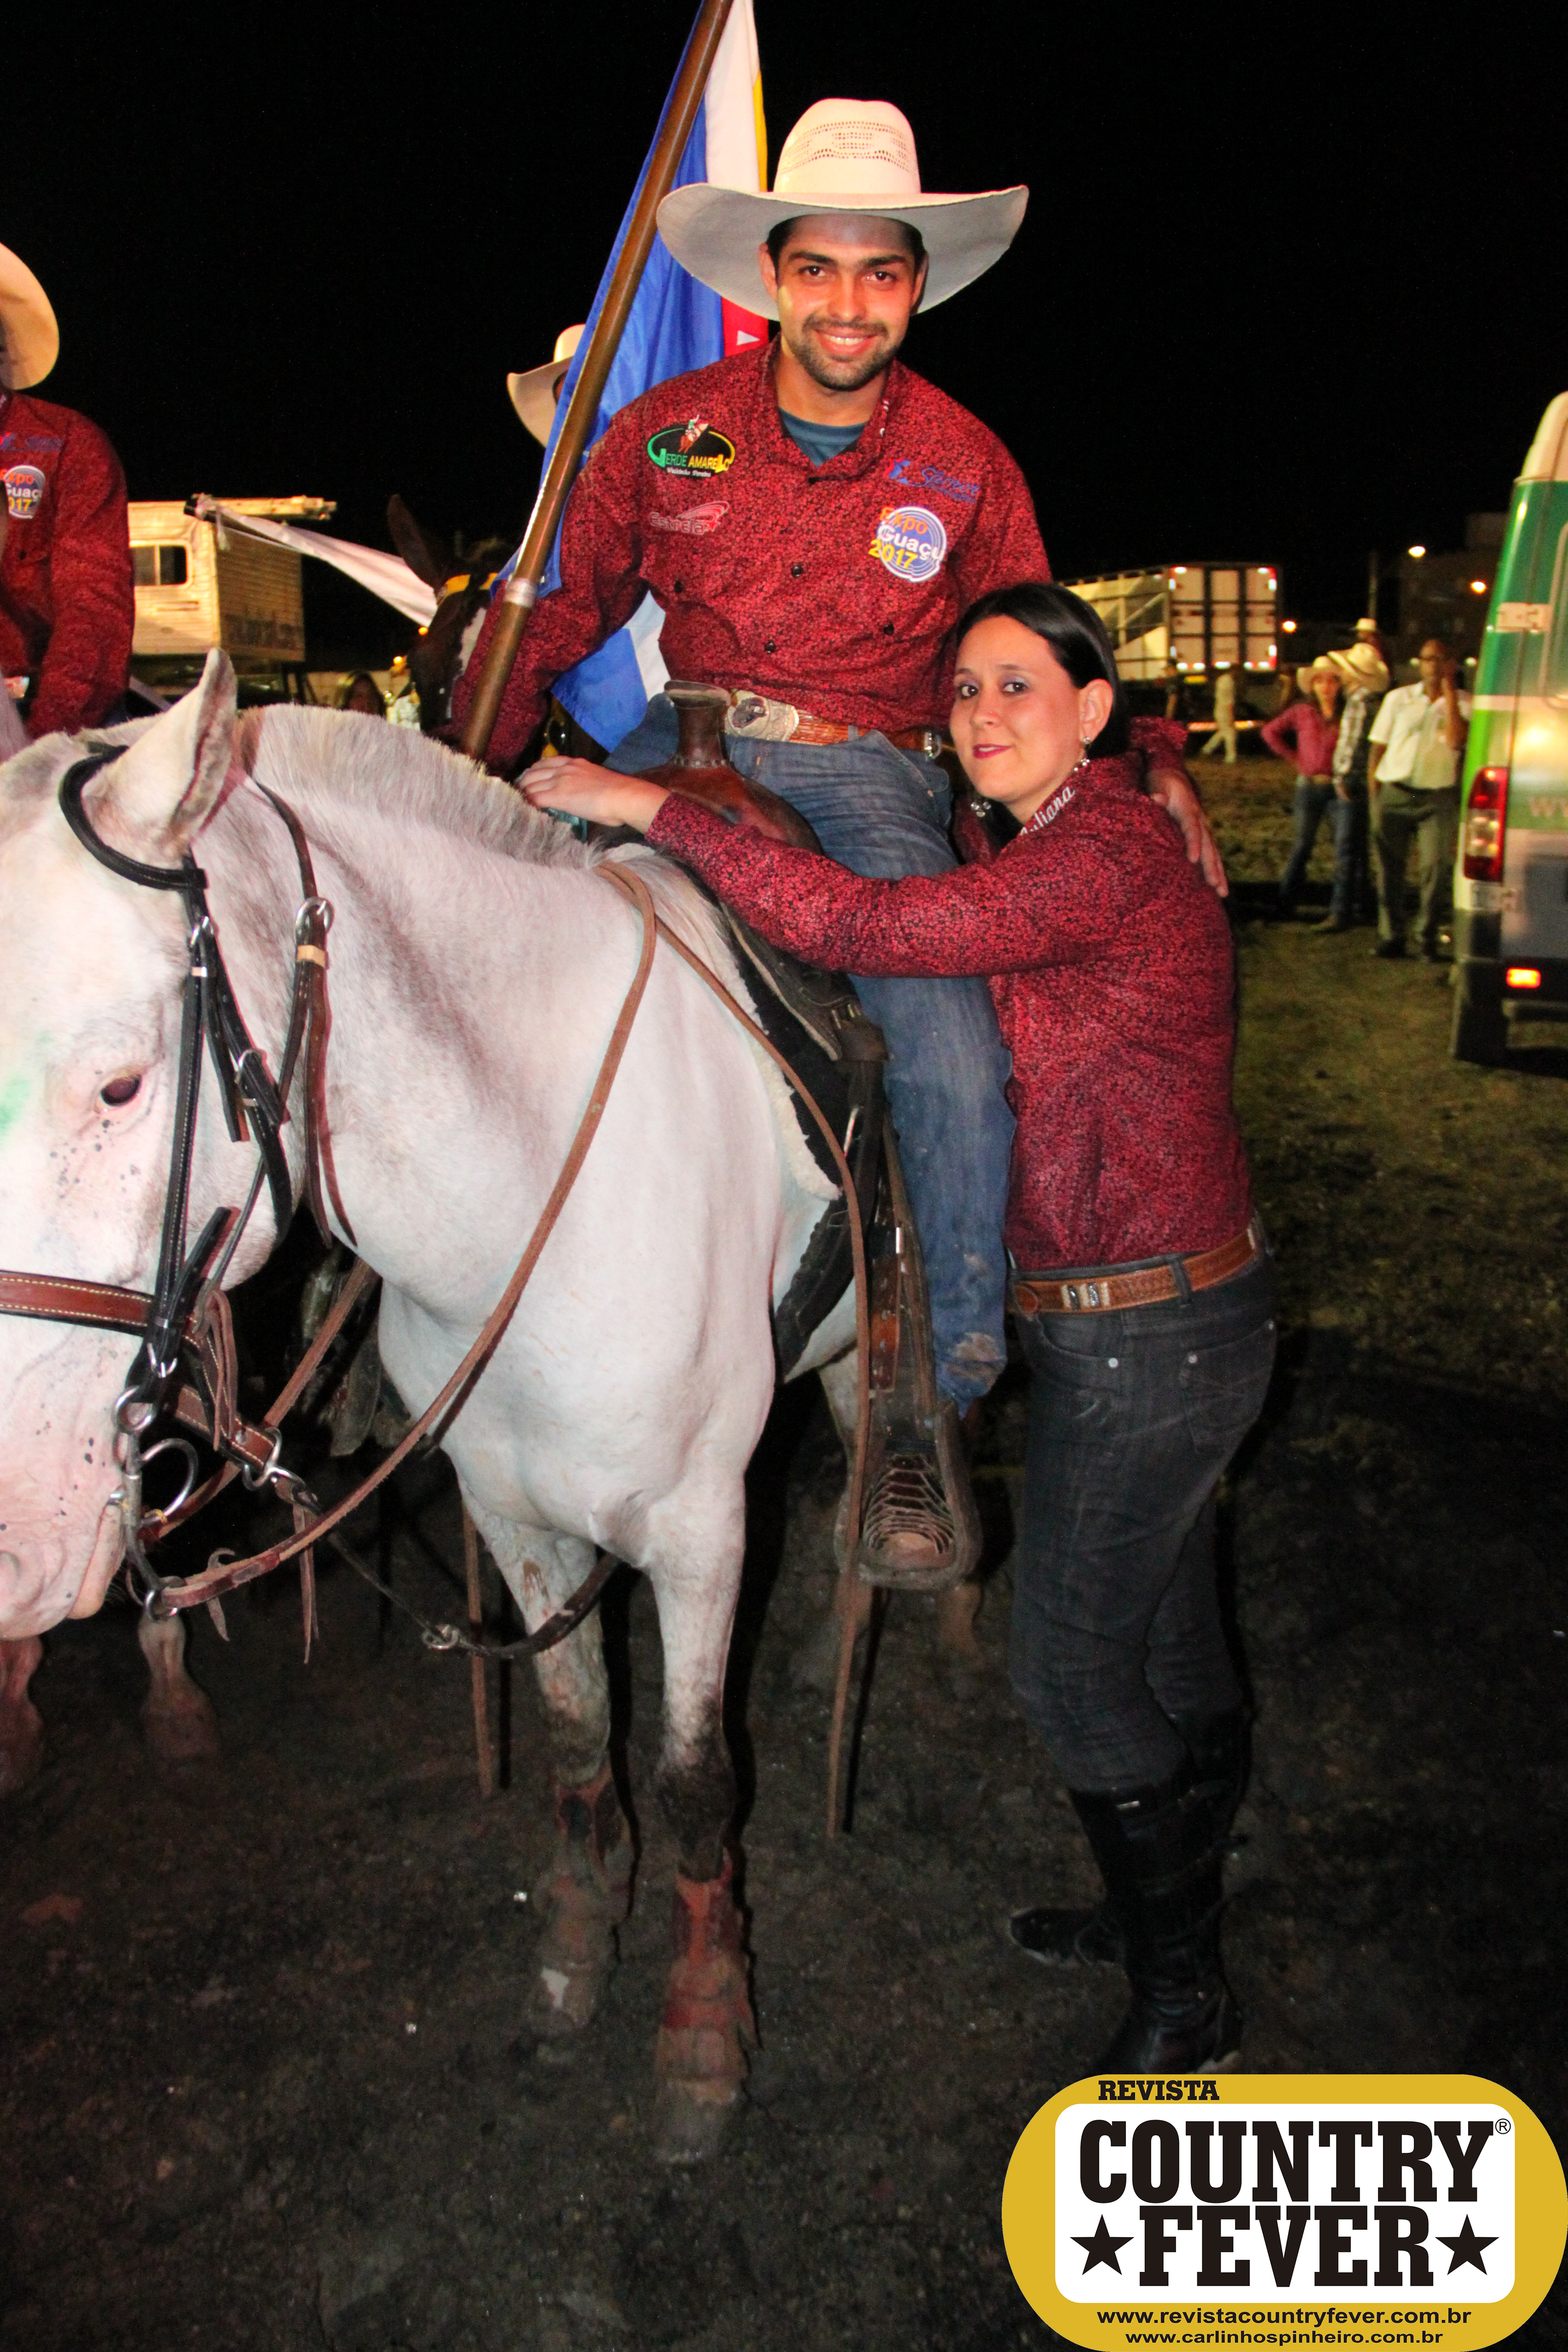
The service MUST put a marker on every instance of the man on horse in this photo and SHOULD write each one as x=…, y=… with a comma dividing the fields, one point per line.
x=66, y=606
x=812, y=517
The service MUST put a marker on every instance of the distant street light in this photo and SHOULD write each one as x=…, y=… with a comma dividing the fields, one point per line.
x=1288, y=627
x=1478, y=587
x=1417, y=552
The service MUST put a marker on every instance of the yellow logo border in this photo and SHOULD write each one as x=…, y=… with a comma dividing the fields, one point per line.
x=1541, y=2207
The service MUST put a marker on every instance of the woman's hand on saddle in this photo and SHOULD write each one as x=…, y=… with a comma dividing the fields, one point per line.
x=578, y=788
x=1173, y=788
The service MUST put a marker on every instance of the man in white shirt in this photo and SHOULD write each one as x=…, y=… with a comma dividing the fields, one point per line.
x=1413, y=773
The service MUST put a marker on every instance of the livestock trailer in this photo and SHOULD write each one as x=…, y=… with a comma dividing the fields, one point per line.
x=198, y=585
x=1199, y=617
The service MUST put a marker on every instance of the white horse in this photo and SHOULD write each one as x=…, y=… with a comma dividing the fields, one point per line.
x=478, y=962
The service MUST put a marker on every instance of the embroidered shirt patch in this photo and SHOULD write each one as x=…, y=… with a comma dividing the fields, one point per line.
x=912, y=542
x=25, y=486
x=691, y=448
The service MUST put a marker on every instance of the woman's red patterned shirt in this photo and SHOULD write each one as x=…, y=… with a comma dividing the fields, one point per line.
x=1109, y=959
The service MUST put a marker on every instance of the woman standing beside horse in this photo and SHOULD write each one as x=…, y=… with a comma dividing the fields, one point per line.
x=1145, y=1290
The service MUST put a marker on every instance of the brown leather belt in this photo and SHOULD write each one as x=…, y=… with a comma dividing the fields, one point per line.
x=757, y=718
x=1101, y=1294
x=927, y=740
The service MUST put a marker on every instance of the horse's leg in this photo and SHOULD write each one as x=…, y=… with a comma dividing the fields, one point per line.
x=707, y=2025
x=586, y=1892
x=177, y=1716
x=21, y=1725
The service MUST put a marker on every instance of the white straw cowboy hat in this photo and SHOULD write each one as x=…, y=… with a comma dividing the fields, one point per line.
x=31, y=339
x=1359, y=666
x=533, y=395
x=843, y=156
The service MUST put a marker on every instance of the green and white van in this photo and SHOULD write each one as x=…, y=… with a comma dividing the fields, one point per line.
x=1510, y=878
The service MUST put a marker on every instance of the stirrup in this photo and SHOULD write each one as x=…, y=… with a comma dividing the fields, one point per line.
x=919, y=1531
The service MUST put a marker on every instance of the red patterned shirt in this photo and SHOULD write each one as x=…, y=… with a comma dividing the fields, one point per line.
x=833, y=587
x=67, y=610
x=1108, y=959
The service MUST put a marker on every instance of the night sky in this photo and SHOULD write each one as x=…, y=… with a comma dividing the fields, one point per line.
x=1279, y=299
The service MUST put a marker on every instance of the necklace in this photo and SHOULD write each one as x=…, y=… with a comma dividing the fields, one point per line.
x=1048, y=810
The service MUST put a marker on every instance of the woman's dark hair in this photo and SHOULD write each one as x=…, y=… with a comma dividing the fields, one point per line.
x=1075, y=634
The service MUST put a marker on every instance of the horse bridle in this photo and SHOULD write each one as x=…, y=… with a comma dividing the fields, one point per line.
x=184, y=1317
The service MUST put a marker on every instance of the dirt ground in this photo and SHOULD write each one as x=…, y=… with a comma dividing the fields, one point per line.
x=265, y=2086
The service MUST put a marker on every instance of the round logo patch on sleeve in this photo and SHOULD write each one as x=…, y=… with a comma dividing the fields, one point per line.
x=912, y=542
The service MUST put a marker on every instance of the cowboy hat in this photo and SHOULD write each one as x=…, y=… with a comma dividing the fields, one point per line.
x=1359, y=666
x=843, y=156
x=29, y=339
x=533, y=395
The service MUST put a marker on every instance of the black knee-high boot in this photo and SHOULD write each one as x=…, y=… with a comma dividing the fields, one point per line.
x=1161, y=1860
x=1220, y=1750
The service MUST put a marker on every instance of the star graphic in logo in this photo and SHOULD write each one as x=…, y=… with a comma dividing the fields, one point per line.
x=1103, y=2248
x=1467, y=2247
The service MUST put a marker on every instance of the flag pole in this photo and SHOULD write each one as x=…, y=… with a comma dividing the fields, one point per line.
x=521, y=591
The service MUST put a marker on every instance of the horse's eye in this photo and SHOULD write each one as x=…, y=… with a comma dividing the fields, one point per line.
x=120, y=1090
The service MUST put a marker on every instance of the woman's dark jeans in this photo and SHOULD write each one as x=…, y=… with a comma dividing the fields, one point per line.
x=1116, y=1623
x=1313, y=803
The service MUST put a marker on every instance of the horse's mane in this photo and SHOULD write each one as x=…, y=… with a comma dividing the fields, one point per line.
x=327, y=758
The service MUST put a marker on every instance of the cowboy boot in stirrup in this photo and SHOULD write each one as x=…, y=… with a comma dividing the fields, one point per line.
x=1078, y=1935
x=1160, y=1861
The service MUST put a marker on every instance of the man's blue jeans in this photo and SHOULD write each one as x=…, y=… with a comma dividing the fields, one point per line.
x=885, y=813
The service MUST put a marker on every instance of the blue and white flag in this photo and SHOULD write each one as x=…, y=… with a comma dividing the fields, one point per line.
x=675, y=325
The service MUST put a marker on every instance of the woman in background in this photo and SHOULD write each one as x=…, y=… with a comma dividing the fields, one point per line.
x=1305, y=734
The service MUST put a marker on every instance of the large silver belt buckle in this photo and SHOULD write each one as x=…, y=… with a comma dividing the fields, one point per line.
x=760, y=721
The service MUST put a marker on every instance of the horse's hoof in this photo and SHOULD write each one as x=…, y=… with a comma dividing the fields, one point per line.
x=21, y=1749
x=690, y=2122
x=563, y=2000
x=186, y=1734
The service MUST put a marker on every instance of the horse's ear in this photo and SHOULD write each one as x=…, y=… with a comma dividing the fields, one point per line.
x=423, y=554
x=163, y=789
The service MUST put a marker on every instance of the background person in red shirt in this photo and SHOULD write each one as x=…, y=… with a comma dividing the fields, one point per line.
x=812, y=547
x=1146, y=1298
x=67, y=607
x=1305, y=734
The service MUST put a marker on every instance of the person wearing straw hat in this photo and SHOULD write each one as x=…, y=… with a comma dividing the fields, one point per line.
x=535, y=393
x=812, y=517
x=66, y=606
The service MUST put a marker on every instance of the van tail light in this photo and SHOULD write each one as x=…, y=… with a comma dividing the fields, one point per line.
x=1484, y=822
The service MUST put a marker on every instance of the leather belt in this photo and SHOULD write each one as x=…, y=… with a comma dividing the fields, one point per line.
x=758, y=720
x=1101, y=1293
